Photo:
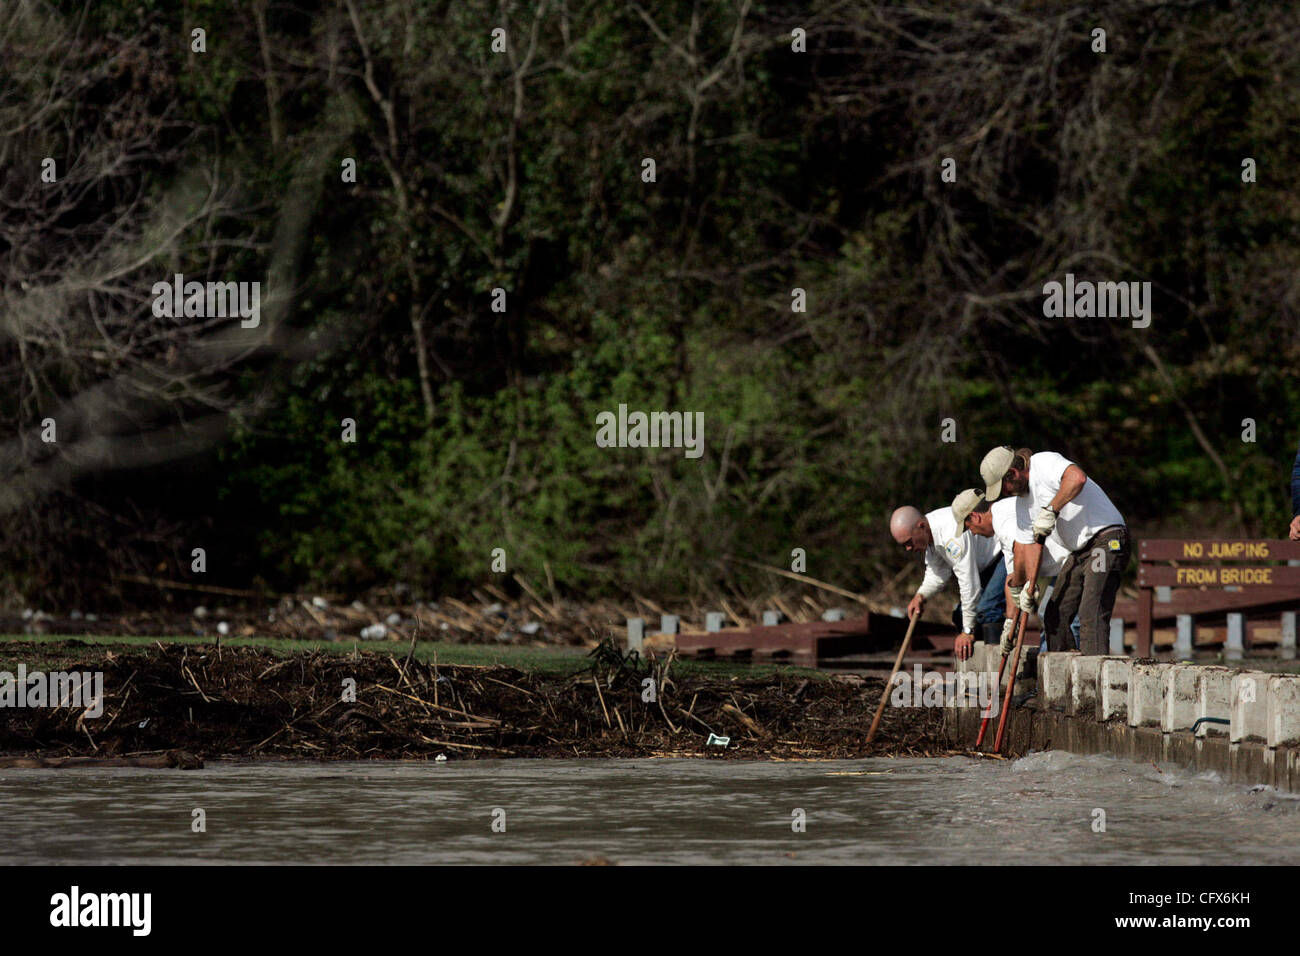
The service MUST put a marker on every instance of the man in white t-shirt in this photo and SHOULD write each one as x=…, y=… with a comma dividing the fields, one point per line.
x=1006, y=521
x=1064, y=504
x=950, y=551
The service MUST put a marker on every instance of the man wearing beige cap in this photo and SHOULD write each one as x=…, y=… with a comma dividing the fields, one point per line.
x=1007, y=522
x=950, y=551
x=1064, y=504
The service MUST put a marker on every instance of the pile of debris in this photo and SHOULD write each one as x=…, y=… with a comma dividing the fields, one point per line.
x=224, y=702
x=489, y=616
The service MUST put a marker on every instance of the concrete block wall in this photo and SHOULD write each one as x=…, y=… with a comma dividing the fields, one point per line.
x=1054, y=679
x=1112, y=688
x=1086, y=685
x=1249, y=700
x=1145, y=711
x=983, y=657
x=1146, y=694
x=1283, y=710
x=1180, y=697
x=1259, y=706
x=1213, y=699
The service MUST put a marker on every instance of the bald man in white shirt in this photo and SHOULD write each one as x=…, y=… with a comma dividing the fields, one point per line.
x=951, y=551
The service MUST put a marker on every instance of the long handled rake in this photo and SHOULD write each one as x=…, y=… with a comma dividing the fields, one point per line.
x=907, y=642
x=1030, y=582
x=997, y=688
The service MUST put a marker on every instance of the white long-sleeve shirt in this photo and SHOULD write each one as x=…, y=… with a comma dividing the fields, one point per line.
x=1080, y=519
x=952, y=553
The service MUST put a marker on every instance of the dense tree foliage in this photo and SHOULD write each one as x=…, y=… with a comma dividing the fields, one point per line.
x=776, y=169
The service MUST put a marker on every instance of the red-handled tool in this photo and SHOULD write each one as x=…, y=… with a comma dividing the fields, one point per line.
x=997, y=688
x=1030, y=582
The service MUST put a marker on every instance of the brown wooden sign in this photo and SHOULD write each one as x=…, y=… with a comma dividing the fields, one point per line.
x=1209, y=564
x=1231, y=575
x=1218, y=549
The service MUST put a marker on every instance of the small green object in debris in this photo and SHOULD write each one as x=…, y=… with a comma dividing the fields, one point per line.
x=716, y=741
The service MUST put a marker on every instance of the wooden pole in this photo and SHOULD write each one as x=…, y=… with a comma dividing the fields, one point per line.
x=997, y=688
x=1011, y=683
x=880, y=711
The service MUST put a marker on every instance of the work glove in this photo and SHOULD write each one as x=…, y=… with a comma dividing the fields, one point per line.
x=1008, y=636
x=1027, y=599
x=1045, y=523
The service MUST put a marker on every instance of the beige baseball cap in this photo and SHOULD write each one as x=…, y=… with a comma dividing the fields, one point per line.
x=964, y=504
x=996, y=464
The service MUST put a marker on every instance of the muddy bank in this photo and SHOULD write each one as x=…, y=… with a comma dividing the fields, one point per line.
x=243, y=702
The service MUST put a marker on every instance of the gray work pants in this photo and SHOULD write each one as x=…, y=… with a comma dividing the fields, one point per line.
x=1087, y=585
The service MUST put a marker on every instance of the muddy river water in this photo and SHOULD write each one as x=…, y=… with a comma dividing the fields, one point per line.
x=1045, y=808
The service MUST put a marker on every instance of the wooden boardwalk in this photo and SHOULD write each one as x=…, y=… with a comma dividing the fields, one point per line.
x=819, y=643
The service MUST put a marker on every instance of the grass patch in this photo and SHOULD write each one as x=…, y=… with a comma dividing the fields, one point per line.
x=64, y=649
